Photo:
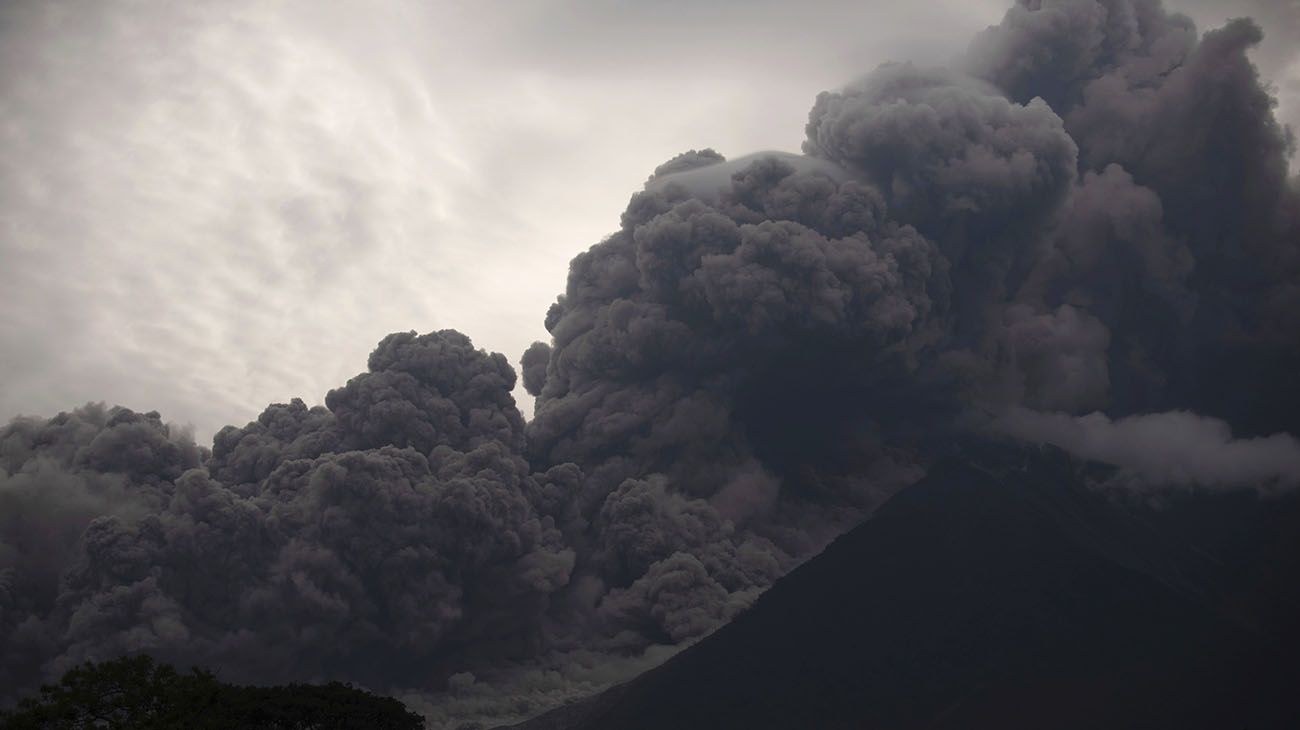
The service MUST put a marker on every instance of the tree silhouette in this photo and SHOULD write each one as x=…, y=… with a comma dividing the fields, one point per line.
x=136, y=693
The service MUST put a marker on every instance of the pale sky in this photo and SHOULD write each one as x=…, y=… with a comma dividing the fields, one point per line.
x=207, y=207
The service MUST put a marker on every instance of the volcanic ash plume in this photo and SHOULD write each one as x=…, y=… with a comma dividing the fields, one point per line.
x=362, y=541
x=1085, y=234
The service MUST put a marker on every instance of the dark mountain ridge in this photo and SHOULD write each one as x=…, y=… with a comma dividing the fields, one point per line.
x=1002, y=591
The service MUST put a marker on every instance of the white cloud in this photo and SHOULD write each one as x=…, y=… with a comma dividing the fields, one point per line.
x=1177, y=448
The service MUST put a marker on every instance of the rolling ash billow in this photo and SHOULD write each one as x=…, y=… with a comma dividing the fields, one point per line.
x=1085, y=233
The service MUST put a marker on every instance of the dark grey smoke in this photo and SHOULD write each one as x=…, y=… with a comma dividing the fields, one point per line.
x=369, y=540
x=58, y=477
x=1188, y=126
x=533, y=365
x=1090, y=214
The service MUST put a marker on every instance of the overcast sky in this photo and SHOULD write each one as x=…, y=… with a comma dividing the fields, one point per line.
x=208, y=207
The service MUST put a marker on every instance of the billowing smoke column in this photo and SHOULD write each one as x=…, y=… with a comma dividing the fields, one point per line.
x=365, y=541
x=1092, y=217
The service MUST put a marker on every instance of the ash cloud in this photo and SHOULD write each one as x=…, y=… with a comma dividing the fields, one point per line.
x=533, y=365
x=1090, y=214
x=707, y=174
x=58, y=478
x=372, y=539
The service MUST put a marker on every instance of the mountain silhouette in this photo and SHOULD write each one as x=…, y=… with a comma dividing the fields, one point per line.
x=1001, y=591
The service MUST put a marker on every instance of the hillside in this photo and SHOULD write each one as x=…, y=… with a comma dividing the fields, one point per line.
x=1000, y=592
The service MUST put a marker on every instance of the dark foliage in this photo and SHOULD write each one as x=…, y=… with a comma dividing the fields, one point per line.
x=136, y=693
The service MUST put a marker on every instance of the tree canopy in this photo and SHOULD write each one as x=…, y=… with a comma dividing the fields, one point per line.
x=137, y=693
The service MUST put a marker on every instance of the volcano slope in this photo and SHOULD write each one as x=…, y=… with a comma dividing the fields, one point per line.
x=1002, y=591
